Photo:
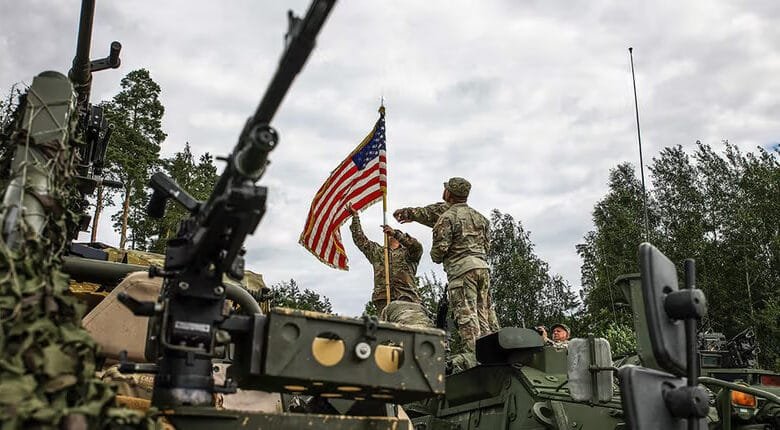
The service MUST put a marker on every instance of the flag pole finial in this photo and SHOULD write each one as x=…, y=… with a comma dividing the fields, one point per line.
x=382, y=105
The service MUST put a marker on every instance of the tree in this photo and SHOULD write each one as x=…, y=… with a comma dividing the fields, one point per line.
x=525, y=294
x=609, y=250
x=8, y=111
x=289, y=295
x=136, y=113
x=431, y=291
x=198, y=179
x=720, y=209
x=8, y=107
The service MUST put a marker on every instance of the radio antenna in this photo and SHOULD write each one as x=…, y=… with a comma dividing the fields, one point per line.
x=639, y=139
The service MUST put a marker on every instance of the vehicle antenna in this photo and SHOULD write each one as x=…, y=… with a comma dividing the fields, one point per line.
x=639, y=139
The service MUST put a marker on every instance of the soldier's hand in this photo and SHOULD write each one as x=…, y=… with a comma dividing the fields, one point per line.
x=402, y=216
x=388, y=230
x=351, y=209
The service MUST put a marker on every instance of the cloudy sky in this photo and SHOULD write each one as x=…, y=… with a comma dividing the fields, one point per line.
x=531, y=101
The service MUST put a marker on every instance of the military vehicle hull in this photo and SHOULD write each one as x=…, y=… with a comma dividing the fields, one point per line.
x=517, y=398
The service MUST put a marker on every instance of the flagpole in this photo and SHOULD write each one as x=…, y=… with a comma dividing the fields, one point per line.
x=384, y=222
x=387, y=249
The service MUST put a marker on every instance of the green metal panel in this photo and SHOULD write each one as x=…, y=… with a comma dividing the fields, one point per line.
x=289, y=364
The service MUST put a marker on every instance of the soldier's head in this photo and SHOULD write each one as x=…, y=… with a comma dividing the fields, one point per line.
x=392, y=242
x=560, y=332
x=456, y=190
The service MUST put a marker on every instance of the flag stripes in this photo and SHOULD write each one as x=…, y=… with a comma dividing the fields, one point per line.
x=359, y=180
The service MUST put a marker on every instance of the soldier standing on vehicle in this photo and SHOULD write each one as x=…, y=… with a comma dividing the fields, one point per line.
x=461, y=239
x=404, y=255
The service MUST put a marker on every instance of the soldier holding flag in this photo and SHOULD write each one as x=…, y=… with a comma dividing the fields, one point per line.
x=403, y=256
x=357, y=182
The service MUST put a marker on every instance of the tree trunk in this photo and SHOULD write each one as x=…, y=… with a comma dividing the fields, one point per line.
x=98, y=209
x=125, y=214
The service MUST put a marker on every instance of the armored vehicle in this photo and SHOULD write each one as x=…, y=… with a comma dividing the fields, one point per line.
x=521, y=383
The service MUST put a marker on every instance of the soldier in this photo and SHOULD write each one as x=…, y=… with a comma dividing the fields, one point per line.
x=560, y=335
x=404, y=256
x=460, y=242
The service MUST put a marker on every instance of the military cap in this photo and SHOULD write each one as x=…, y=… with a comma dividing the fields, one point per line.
x=563, y=326
x=458, y=187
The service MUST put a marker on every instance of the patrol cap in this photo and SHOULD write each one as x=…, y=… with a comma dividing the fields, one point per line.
x=563, y=326
x=458, y=187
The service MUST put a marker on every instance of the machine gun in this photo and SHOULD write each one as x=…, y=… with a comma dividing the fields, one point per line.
x=184, y=331
x=283, y=350
x=741, y=351
x=29, y=196
x=92, y=127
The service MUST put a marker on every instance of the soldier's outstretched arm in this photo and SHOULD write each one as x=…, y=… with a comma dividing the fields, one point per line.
x=426, y=215
x=442, y=239
x=370, y=249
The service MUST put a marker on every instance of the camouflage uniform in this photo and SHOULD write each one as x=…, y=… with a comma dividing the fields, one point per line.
x=402, y=262
x=138, y=385
x=426, y=215
x=460, y=243
x=406, y=313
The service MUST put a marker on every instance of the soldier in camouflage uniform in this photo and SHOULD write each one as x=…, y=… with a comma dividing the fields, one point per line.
x=404, y=256
x=560, y=336
x=460, y=242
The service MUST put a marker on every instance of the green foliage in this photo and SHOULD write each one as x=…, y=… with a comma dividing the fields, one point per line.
x=136, y=113
x=719, y=208
x=621, y=338
x=198, y=179
x=8, y=114
x=370, y=310
x=8, y=107
x=431, y=290
x=47, y=377
x=525, y=294
x=610, y=249
x=289, y=295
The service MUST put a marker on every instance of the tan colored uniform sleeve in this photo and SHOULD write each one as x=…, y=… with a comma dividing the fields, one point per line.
x=413, y=246
x=427, y=215
x=370, y=249
x=442, y=239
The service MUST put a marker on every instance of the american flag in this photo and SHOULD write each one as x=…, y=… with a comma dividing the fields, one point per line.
x=361, y=179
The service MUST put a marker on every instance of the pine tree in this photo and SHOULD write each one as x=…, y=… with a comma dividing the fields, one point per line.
x=136, y=113
x=288, y=294
x=197, y=179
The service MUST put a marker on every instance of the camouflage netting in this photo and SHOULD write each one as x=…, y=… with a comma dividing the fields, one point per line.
x=47, y=361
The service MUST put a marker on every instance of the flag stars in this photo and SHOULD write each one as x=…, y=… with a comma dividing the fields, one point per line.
x=372, y=149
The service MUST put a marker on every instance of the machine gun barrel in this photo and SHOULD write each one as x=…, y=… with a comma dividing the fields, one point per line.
x=80, y=73
x=300, y=42
x=254, y=143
